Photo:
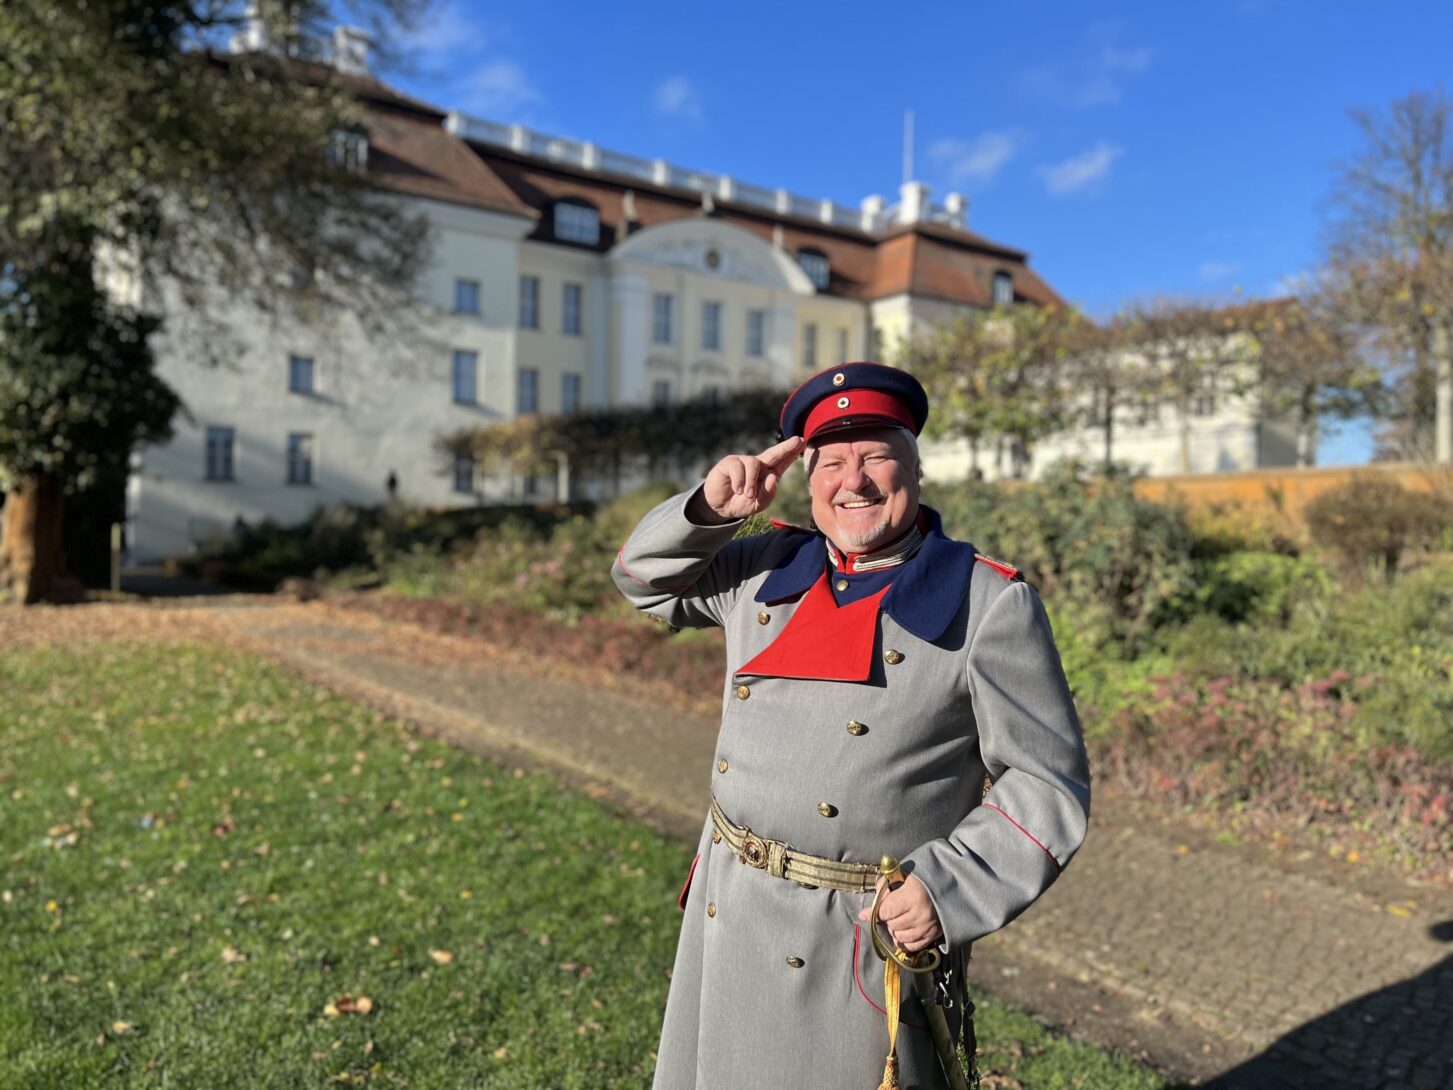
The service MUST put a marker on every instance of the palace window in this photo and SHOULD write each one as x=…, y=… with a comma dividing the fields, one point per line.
x=576, y=221
x=809, y=345
x=842, y=346
x=466, y=297
x=756, y=332
x=528, y=390
x=815, y=264
x=300, y=458
x=220, y=442
x=570, y=315
x=569, y=393
x=661, y=331
x=529, y=302
x=661, y=392
x=1003, y=292
x=300, y=374
x=464, y=376
x=711, y=327
x=347, y=150
x=464, y=472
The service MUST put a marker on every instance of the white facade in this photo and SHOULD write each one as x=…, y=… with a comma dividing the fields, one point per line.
x=690, y=306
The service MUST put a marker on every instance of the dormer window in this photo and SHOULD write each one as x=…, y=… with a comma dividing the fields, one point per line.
x=1003, y=288
x=348, y=150
x=576, y=221
x=814, y=263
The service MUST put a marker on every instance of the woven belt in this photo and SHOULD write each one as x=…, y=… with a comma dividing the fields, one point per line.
x=784, y=861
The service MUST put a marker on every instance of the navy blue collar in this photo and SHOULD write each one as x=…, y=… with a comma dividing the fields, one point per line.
x=924, y=597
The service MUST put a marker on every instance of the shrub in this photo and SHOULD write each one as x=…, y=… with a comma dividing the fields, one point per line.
x=1293, y=751
x=1261, y=587
x=1088, y=540
x=1371, y=522
x=1221, y=528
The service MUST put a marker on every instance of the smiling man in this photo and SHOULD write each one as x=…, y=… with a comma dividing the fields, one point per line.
x=877, y=673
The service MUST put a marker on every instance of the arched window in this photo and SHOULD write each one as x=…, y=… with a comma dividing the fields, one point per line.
x=577, y=221
x=1003, y=288
x=815, y=264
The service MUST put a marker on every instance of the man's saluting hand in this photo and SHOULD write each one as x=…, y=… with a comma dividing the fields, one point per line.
x=741, y=485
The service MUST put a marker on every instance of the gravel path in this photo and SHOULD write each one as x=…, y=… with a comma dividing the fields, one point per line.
x=1234, y=966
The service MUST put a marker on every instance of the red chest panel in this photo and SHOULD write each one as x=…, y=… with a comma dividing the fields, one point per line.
x=823, y=641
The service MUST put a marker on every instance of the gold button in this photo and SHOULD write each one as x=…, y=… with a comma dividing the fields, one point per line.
x=892, y=658
x=721, y=765
x=715, y=836
x=855, y=728
x=743, y=691
x=796, y=963
x=842, y=584
x=839, y=378
x=826, y=809
x=763, y=618
x=711, y=908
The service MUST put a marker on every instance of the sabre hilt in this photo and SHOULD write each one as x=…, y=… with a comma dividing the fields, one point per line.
x=925, y=961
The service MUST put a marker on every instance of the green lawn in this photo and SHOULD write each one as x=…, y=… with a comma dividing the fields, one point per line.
x=203, y=856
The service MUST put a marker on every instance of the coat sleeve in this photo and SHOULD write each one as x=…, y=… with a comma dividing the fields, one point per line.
x=684, y=573
x=1009, y=849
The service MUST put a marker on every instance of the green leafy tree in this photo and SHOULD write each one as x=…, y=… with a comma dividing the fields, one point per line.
x=606, y=445
x=1002, y=376
x=189, y=185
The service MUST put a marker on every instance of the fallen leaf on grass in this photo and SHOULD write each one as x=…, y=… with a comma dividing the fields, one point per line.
x=231, y=955
x=442, y=957
x=119, y=1028
x=347, y=1004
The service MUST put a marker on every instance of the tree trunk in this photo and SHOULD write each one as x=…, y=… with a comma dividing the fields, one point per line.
x=1306, y=429
x=1443, y=422
x=1109, y=432
x=32, y=560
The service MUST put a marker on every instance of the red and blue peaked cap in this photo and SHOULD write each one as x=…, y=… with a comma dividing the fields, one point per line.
x=854, y=395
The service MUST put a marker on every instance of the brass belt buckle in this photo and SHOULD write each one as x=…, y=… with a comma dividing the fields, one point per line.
x=754, y=850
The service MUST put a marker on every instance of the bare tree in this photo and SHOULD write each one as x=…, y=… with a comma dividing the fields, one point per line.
x=1390, y=241
x=1190, y=349
x=1307, y=362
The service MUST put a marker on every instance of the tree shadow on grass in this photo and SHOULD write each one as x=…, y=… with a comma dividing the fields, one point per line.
x=1396, y=1038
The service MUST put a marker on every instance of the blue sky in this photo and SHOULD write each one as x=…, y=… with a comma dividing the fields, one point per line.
x=1132, y=149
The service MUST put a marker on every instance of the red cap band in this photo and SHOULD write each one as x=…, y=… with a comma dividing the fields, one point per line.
x=852, y=407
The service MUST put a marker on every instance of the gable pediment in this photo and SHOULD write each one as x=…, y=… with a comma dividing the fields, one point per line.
x=713, y=249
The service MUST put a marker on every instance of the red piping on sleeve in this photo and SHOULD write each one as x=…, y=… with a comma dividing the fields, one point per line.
x=857, y=930
x=1027, y=833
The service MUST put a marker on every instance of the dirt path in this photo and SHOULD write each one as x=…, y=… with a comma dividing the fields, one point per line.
x=1227, y=964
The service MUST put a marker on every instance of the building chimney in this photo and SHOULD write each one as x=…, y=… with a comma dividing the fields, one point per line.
x=350, y=50
x=957, y=207
x=872, y=210
x=913, y=203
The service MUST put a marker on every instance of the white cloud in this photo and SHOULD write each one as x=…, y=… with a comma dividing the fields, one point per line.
x=447, y=28
x=501, y=89
x=1212, y=271
x=1096, y=82
x=1079, y=171
x=676, y=97
x=977, y=160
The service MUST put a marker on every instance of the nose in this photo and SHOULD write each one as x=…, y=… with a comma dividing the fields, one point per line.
x=855, y=478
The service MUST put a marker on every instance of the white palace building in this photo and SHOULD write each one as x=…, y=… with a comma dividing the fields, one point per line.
x=565, y=275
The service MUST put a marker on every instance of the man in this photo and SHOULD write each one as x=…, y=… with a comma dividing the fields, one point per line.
x=876, y=672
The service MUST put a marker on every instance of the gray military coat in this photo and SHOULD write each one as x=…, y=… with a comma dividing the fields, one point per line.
x=775, y=983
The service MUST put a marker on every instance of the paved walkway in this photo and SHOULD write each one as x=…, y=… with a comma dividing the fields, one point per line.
x=1234, y=967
